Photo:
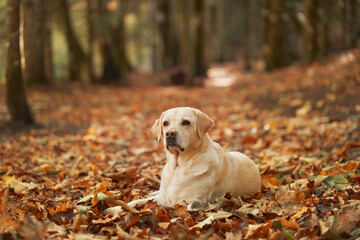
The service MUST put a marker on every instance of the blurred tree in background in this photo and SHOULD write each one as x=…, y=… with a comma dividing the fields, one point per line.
x=34, y=48
x=16, y=97
x=103, y=41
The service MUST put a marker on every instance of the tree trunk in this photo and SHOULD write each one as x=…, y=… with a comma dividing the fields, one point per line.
x=49, y=68
x=274, y=54
x=167, y=31
x=123, y=64
x=77, y=59
x=265, y=12
x=156, y=45
x=15, y=91
x=310, y=33
x=34, y=42
x=325, y=27
x=353, y=23
x=91, y=37
x=247, y=34
x=220, y=31
x=185, y=41
x=344, y=4
x=201, y=38
x=104, y=33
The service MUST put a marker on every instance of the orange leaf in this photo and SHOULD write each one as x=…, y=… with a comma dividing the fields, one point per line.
x=350, y=166
x=83, y=184
x=94, y=200
x=7, y=223
x=272, y=180
x=60, y=208
x=258, y=230
x=102, y=187
x=299, y=213
x=290, y=224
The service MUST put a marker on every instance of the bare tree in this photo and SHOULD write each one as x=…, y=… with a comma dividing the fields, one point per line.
x=34, y=11
x=15, y=90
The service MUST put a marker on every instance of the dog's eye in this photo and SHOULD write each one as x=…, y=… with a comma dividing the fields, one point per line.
x=165, y=123
x=186, y=123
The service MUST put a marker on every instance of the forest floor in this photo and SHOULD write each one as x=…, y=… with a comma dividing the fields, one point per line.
x=92, y=149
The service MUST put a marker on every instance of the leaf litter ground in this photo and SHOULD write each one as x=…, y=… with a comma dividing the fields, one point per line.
x=93, y=153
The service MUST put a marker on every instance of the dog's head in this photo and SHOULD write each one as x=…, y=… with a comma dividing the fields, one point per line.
x=182, y=128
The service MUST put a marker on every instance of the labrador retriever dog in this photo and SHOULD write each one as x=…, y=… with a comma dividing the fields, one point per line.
x=198, y=169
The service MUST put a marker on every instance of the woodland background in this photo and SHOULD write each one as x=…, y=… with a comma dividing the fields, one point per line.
x=82, y=82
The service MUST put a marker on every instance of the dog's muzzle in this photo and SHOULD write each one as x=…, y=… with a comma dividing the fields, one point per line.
x=171, y=141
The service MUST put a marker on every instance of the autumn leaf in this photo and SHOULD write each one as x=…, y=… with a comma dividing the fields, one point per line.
x=60, y=208
x=258, y=230
x=290, y=224
x=87, y=170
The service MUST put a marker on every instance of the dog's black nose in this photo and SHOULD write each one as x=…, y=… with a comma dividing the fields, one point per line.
x=171, y=134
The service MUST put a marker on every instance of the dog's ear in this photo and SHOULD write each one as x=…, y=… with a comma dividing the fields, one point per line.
x=157, y=128
x=204, y=123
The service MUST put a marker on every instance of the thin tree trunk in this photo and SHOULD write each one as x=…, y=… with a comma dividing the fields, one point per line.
x=325, y=26
x=156, y=44
x=175, y=33
x=77, y=59
x=201, y=38
x=310, y=34
x=110, y=71
x=49, y=68
x=15, y=90
x=354, y=23
x=118, y=36
x=274, y=54
x=265, y=12
x=34, y=42
x=346, y=24
x=124, y=64
x=247, y=34
x=220, y=31
x=185, y=41
x=167, y=32
x=91, y=36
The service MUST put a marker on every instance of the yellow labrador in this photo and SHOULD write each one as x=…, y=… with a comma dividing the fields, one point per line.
x=197, y=168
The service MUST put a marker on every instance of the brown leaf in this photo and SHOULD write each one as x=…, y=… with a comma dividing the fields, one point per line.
x=258, y=230
x=7, y=223
x=32, y=229
x=289, y=196
x=181, y=212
